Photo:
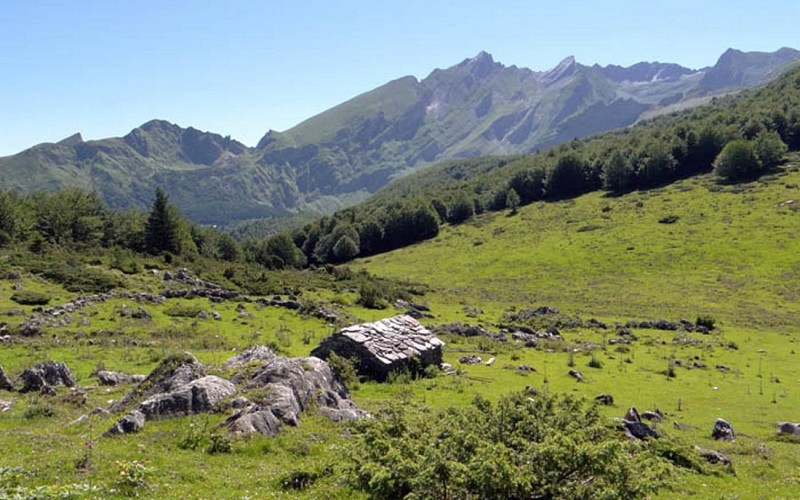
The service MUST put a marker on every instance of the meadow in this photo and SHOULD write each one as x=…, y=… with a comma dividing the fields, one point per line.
x=693, y=248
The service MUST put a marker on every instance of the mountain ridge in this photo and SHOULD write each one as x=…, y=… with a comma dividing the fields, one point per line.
x=474, y=108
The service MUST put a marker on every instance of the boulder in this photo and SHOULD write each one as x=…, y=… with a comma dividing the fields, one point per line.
x=198, y=396
x=46, y=374
x=605, y=399
x=254, y=419
x=5, y=382
x=723, y=431
x=171, y=374
x=116, y=378
x=632, y=415
x=130, y=423
x=713, y=457
x=637, y=430
x=788, y=428
x=578, y=376
x=290, y=386
x=651, y=415
x=470, y=359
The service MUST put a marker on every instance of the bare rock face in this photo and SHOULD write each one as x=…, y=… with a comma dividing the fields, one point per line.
x=172, y=373
x=723, y=431
x=292, y=385
x=256, y=353
x=46, y=375
x=130, y=423
x=198, y=396
x=116, y=378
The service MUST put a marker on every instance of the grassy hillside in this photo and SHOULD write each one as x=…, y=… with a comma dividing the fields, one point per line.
x=730, y=253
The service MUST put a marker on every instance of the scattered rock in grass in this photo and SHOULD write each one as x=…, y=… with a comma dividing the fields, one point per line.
x=652, y=416
x=637, y=430
x=13, y=275
x=788, y=428
x=723, y=431
x=202, y=315
x=216, y=316
x=116, y=378
x=130, y=423
x=46, y=374
x=723, y=368
x=682, y=427
x=712, y=456
x=446, y=367
x=490, y=362
x=5, y=383
x=5, y=405
x=527, y=339
x=632, y=415
x=605, y=399
x=593, y=323
x=525, y=368
x=198, y=396
x=578, y=376
x=470, y=359
x=172, y=373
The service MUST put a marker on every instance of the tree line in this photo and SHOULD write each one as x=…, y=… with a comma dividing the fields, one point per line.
x=738, y=137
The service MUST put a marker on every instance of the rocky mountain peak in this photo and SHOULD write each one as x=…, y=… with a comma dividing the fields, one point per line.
x=564, y=69
x=72, y=140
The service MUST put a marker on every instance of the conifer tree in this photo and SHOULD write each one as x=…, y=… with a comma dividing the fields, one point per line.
x=162, y=232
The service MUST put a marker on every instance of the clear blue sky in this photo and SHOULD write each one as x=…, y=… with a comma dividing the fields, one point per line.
x=240, y=68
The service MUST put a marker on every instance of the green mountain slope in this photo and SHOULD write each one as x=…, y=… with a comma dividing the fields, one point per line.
x=340, y=157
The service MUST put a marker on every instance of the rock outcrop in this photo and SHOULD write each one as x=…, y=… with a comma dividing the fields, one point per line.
x=198, y=396
x=282, y=389
x=44, y=376
x=116, y=378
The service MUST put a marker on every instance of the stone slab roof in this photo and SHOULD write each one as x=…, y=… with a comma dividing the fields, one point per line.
x=394, y=338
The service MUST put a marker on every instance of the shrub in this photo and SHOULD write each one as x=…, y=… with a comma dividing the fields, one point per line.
x=706, y=321
x=344, y=369
x=30, y=298
x=370, y=296
x=523, y=447
x=219, y=443
x=737, y=161
x=132, y=477
x=82, y=279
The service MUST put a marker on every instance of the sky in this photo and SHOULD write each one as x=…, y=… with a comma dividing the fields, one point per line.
x=243, y=67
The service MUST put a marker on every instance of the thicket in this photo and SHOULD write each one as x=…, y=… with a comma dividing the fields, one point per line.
x=528, y=445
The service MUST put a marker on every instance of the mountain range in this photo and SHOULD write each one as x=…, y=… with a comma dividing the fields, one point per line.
x=339, y=157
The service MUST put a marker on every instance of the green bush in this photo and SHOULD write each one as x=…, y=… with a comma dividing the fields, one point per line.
x=525, y=446
x=30, y=298
x=81, y=279
x=737, y=161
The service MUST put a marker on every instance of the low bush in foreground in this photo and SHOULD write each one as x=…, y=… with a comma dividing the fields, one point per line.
x=528, y=445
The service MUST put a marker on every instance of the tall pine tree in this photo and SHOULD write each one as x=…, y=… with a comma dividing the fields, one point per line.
x=162, y=233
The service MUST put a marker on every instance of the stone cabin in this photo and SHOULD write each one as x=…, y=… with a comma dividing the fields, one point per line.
x=384, y=346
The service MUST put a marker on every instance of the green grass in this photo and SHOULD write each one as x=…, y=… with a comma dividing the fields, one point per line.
x=731, y=255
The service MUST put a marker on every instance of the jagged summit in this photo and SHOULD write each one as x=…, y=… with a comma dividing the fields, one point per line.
x=564, y=69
